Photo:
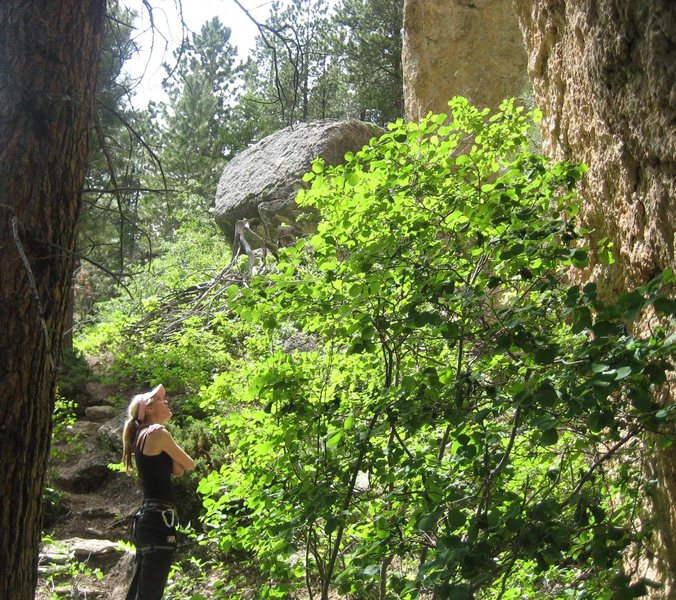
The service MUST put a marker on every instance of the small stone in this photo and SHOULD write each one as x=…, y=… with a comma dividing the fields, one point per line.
x=100, y=413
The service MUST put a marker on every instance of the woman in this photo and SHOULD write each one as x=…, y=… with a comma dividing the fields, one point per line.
x=158, y=457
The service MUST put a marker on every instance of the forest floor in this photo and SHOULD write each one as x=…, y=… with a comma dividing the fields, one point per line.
x=89, y=508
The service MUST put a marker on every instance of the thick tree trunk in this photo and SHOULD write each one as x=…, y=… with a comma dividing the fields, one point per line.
x=49, y=56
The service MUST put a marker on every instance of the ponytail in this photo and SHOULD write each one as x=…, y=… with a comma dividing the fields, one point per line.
x=128, y=439
x=130, y=431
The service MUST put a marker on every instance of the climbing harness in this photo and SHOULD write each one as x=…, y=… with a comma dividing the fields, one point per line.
x=166, y=509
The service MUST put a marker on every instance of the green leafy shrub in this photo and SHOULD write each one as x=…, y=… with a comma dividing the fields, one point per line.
x=449, y=433
x=145, y=333
x=74, y=374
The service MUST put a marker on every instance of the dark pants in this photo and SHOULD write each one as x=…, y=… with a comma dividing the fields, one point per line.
x=154, y=536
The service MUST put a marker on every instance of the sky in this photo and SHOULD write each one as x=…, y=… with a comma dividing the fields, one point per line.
x=157, y=47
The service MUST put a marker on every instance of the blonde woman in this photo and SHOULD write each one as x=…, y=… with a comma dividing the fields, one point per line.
x=157, y=458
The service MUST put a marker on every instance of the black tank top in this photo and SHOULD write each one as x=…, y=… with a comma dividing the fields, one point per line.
x=155, y=472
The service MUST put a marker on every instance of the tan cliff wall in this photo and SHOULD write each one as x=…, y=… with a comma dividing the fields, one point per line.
x=604, y=74
x=470, y=48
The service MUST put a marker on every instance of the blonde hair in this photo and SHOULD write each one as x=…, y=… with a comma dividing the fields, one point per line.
x=132, y=426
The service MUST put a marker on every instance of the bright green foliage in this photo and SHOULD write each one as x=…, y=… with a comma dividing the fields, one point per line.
x=446, y=425
x=150, y=341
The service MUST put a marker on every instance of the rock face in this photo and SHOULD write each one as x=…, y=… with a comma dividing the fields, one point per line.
x=470, y=48
x=261, y=183
x=605, y=76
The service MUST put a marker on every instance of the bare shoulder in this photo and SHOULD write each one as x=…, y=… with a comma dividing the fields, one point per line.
x=158, y=438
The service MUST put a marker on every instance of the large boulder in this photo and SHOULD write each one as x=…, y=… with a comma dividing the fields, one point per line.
x=86, y=475
x=260, y=184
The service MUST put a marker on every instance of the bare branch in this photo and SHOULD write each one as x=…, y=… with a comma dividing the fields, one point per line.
x=34, y=289
x=602, y=459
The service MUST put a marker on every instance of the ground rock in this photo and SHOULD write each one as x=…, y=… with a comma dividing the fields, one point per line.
x=87, y=474
x=82, y=430
x=99, y=413
x=110, y=433
x=460, y=48
x=82, y=548
x=101, y=393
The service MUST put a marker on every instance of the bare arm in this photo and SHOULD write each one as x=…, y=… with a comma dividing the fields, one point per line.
x=160, y=440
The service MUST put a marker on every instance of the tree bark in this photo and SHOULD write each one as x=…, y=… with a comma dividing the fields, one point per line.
x=49, y=57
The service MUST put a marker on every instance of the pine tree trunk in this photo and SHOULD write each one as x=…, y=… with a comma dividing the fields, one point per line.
x=49, y=55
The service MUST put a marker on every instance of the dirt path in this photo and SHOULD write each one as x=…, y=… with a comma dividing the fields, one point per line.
x=89, y=507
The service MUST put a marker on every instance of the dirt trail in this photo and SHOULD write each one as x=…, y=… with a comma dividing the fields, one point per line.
x=89, y=507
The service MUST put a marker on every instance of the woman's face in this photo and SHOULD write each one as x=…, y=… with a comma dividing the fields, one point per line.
x=160, y=410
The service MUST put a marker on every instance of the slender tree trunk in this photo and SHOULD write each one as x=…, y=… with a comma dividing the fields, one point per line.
x=49, y=56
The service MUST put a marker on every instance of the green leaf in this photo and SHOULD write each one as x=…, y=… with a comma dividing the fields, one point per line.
x=428, y=522
x=457, y=592
x=547, y=396
x=335, y=438
x=582, y=319
x=572, y=296
x=599, y=420
x=546, y=355
x=331, y=525
x=456, y=518
x=664, y=305
x=630, y=304
x=549, y=437
x=641, y=398
x=603, y=328
x=578, y=257
x=662, y=414
x=623, y=372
